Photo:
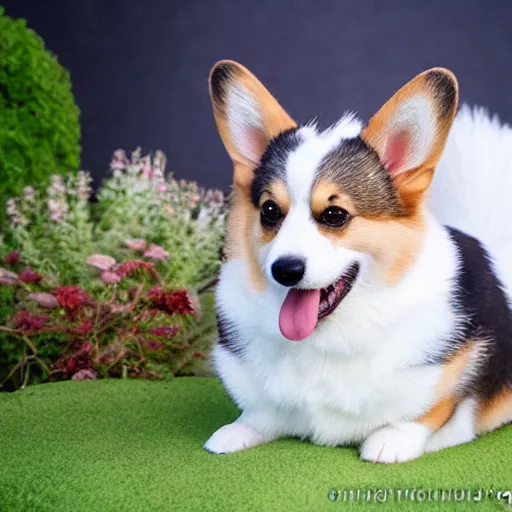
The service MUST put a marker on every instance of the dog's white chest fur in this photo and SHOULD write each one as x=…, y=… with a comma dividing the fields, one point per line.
x=331, y=401
x=362, y=368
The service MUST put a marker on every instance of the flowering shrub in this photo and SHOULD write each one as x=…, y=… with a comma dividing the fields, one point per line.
x=120, y=286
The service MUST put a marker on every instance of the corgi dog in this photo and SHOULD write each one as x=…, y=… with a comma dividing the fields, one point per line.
x=366, y=293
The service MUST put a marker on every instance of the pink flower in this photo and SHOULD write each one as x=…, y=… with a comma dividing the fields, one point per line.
x=136, y=244
x=84, y=374
x=156, y=252
x=71, y=297
x=45, y=300
x=8, y=278
x=12, y=258
x=162, y=188
x=110, y=277
x=27, y=275
x=101, y=261
x=147, y=171
x=165, y=331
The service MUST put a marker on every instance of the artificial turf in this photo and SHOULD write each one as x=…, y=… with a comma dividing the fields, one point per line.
x=133, y=445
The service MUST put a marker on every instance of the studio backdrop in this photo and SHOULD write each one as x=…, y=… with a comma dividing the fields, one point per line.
x=139, y=69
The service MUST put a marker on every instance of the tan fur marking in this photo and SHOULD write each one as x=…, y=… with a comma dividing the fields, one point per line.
x=327, y=194
x=495, y=412
x=278, y=193
x=394, y=243
x=454, y=369
x=240, y=239
x=446, y=389
x=439, y=414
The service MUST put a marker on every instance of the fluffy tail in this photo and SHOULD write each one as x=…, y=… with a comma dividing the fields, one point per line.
x=472, y=188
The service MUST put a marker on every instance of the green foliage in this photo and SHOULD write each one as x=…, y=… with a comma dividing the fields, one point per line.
x=147, y=235
x=39, y=128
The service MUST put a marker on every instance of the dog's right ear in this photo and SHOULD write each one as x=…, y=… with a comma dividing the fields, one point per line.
x=247, y=116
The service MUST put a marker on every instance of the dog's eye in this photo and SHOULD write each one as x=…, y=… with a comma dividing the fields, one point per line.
x=270, y=214
x=334, y=216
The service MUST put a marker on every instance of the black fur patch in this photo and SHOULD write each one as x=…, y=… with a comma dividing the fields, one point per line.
x=229, y=337
x=446, y=91
x=273, y=162
x=356, y=168
x=479, y=295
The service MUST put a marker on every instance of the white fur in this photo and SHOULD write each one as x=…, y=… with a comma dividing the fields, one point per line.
x=472, y=186
x=245, y=122
x=235, y=437
x=360, y=375
x=396, y=443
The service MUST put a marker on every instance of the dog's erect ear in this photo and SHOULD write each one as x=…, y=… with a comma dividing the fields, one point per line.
x=247, y=116
x=409, y=132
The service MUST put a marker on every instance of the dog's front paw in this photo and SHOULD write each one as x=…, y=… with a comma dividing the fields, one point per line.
x=233, y=438
x=399, y=443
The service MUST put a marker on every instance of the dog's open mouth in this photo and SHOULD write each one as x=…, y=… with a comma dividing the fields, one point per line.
x=331, y=296
x=302, y=309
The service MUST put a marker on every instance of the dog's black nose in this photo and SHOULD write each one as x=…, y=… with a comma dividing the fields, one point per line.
x=288, y=271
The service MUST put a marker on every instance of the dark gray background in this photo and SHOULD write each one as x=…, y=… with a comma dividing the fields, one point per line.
x=139, y=67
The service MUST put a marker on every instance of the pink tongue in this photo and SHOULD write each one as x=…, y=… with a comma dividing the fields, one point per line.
x=299, y=314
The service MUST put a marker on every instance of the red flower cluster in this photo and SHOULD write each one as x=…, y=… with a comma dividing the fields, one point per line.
x=27, y=275
x=176, y=302
x=130, y=267
x=71, y=297
x=28, y=322
x=165, y=331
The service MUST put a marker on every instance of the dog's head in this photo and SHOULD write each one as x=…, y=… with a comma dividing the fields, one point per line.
x=311, y=208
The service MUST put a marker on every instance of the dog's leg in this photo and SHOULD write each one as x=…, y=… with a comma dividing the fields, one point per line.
x=249, y=430
x=404, y=441
x=396, y=443
x=459, y=429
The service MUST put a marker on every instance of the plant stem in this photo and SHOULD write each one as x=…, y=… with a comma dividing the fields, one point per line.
x=11, y=331
x=27, y=374
x=27, y=340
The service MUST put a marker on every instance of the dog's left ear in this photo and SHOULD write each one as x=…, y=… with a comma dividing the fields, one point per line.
x=409, y=132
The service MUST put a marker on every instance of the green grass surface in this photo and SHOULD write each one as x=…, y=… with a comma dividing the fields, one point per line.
x=137, y=446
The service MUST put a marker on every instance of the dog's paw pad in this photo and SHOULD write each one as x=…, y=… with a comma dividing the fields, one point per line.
x=234, y=437
x=395, y=443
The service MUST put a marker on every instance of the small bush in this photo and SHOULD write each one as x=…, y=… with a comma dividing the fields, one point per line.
x=39, y=127
x=119, y=287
